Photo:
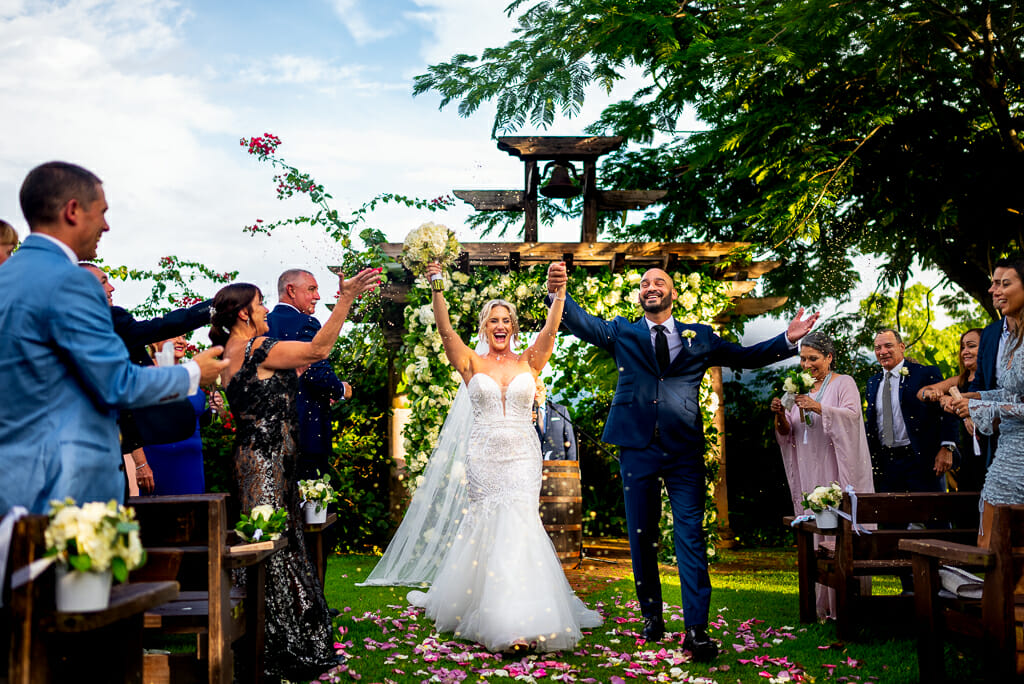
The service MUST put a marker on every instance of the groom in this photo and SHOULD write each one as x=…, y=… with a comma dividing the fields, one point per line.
x=655, y=420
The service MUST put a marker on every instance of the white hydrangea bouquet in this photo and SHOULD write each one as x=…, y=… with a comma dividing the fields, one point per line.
x=823, y=497
x=94, y=537
x=318, y=492
x=262, y=523
x=428, y=243
x=794, y=382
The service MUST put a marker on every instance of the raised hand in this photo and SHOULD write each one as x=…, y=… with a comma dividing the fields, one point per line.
x=364, y=281
x=558, y=277
x=800, y=326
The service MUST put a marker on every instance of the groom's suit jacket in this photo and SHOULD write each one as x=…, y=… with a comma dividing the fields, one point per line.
x=928, y=426
x=645, y=397
x=64, y=372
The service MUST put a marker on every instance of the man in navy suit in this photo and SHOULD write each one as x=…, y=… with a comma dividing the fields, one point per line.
x=557, y=438
x=655, y=420
x=64, y=370
x=911, y=441
x=319, y=386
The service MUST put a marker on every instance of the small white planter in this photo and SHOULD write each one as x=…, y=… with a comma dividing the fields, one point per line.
x=827, y=519
x=315, y=512
x=82, y=592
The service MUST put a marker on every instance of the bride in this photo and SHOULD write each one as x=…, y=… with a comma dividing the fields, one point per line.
x=473, y=527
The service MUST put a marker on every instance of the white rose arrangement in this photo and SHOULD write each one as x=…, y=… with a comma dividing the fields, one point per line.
x=823, y=496
x=794, y=382
x=428, y=243
x=318, y=491
x=262, y=522
x=95, y=537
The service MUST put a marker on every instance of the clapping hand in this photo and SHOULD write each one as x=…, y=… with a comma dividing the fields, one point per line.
x=799, y=326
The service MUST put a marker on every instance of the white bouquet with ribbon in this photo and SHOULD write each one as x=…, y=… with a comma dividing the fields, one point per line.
x=823, y=497
x=428, y=243
x=262, y=523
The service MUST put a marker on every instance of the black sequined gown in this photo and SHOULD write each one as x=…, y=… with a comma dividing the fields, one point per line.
x=299, y=642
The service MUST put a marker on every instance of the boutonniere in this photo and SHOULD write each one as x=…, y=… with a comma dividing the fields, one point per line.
x=904, y=372
x=689, y=335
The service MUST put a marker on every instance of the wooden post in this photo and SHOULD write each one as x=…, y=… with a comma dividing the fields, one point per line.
x=727, y=539
x=530, y=202
x=589, y=232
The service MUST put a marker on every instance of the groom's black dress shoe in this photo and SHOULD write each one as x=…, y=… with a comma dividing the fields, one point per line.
x=654, y=628
x=700, y=644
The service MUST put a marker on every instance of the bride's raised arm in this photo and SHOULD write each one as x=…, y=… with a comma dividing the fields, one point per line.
x=538, y=353
x=459, y=355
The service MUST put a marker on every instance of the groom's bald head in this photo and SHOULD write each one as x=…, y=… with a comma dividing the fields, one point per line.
x=657, y=292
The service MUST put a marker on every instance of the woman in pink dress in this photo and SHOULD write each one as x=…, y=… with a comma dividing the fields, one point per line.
x=829, y=447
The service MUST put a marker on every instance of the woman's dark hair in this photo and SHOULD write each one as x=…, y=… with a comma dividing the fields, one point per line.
x=227, y=304
x=821, y=342
x=963, y=380
x=1017, y=334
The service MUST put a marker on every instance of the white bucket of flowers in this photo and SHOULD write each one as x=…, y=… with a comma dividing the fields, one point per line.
x=823, y=501
x=93, y=544
x=316, y=494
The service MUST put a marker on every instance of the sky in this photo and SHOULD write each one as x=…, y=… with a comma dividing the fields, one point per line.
x=154, y=95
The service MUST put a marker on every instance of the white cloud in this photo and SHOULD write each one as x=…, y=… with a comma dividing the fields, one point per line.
x=355, y=22
x=319, y=74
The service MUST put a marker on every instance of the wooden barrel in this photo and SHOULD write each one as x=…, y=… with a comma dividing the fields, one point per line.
x=561, y=508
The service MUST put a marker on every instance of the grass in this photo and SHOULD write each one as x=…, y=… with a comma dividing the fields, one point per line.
x=753, y=614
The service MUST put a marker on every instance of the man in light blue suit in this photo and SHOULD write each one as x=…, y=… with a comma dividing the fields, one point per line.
x=656, y=422
x=64, y=370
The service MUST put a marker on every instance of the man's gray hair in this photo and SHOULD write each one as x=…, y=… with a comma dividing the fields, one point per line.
x=289, y=277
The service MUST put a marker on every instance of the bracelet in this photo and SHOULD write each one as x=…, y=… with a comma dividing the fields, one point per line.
x=141, y=466
x=557, y=299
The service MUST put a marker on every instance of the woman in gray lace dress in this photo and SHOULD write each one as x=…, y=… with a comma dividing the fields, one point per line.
x=261, y=382
x=1003, y=407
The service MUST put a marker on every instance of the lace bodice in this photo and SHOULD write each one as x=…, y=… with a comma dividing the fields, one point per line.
x=1007, y=401
x=493, y=404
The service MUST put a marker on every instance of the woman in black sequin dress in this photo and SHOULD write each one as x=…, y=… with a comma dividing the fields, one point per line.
x=260, y=382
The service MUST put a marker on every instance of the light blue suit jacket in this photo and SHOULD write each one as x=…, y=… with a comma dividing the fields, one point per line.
x=64, y=372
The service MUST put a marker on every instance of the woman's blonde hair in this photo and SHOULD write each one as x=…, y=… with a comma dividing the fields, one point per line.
x=8, y=236
x=485, y=313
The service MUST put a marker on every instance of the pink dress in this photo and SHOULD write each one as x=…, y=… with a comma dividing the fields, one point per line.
x=834, y=448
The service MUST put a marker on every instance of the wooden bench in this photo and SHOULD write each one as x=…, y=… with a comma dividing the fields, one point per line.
x=50, y=646
x=852, y=557
x=315, y=543
x=994, y=619
x=196, y=526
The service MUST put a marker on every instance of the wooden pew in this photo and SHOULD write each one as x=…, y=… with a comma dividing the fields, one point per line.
x=50, y=646
x=842, y=565
x=315, y=543
x=994, y=619
x=196, y=525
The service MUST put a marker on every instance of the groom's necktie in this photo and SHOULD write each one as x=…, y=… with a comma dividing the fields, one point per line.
x=661, y=346
x=887, y=433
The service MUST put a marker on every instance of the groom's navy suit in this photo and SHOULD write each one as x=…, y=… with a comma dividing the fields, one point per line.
x=655, y=420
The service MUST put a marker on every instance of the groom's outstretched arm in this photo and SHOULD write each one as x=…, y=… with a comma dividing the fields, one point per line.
x=588, y=328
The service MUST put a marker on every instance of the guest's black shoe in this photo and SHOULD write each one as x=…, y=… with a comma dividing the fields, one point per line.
x=333, y=612
x=339, y=659
x=654, y=628
x=700, y=644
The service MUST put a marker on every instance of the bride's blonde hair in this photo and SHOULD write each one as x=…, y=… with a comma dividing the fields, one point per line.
x=485, y=313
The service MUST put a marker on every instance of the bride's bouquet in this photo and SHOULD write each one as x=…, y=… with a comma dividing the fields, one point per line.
x=430, y=242
x=794, y=382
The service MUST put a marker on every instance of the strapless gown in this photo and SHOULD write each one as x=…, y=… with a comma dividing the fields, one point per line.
x=500, y=582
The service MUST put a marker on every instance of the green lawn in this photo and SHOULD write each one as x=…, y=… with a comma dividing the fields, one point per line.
x=754, y=616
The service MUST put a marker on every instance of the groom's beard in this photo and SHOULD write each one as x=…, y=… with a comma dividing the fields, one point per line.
x=663, y=304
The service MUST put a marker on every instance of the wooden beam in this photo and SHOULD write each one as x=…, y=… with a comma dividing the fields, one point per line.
x=493, y=200
x=709, y=252
x=752, y=306
x=627, y=200
x=565, y=147
x=748, y=271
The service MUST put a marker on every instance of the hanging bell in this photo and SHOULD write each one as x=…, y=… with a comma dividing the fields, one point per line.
x=560, y=184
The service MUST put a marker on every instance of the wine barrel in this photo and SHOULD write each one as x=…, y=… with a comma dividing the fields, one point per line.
x=561, y=508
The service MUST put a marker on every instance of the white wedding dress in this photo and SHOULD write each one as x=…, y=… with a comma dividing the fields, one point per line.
x=500, y=582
